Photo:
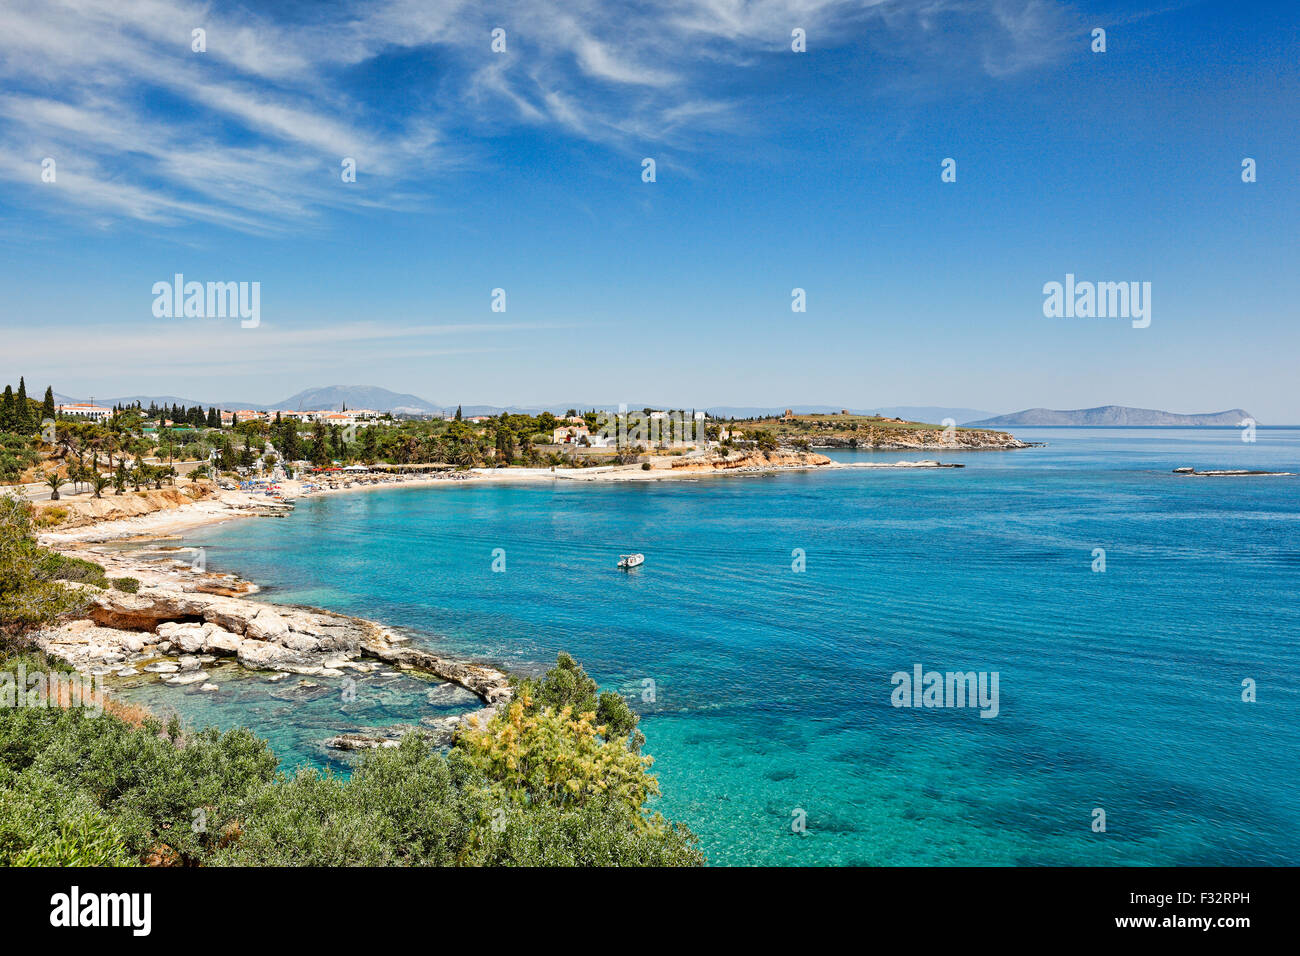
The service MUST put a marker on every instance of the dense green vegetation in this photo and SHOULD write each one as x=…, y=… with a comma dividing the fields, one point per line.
x=18, y=452
x=542, y=786
x=32, y=591
x=79, y=451
x=558, y=779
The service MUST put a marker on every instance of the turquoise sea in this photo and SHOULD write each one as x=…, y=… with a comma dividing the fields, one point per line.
x=1120, y=690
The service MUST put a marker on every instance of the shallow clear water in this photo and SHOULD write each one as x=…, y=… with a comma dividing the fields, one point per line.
x=1118, y=690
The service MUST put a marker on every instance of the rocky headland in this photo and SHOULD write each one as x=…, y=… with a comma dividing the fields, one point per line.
x=925, y=439
x=180, y=623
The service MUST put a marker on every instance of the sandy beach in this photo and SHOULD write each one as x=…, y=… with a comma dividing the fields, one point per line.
x=164, y=514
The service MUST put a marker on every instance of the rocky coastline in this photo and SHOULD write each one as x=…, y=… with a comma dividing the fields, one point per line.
x=178, y=621
x=181, y=622
x=927, y=440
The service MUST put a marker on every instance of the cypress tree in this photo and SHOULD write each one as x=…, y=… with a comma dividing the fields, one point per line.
x=7, y=410
x=23, y=413
x=47, y=407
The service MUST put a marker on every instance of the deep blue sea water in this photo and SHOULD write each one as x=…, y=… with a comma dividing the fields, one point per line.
x=1119, y=690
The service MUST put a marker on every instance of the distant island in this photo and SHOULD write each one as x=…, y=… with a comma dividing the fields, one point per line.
x=1113, y=415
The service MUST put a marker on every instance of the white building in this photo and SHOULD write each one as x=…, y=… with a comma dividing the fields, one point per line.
x=349, y=416
x=85, y=410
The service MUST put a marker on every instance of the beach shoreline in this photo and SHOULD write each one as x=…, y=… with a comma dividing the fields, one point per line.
x=183, y=619
x=179, y=622
x=219, y=505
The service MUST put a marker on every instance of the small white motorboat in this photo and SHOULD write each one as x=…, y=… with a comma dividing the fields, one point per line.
x=629, y=561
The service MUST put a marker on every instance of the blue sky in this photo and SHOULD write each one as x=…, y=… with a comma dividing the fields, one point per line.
x=775, y=170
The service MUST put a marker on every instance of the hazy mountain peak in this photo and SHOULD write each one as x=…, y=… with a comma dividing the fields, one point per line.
x=357, y=396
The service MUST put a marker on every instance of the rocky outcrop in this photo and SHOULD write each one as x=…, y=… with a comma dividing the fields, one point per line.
x=438, y=730
x=365, y=741
x=751, y=461
x=296, y=640
x=198, y=638
x=490, y=685
x=182, y=621
x=923, y=439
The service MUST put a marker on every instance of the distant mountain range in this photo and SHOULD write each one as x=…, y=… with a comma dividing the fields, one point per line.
x=330, y=397
x=1113, y=415
x=400, y=403
x=381, y=399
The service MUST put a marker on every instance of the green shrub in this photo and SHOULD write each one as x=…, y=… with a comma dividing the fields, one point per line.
x=82, y=789
x=129, y=585
x=30, y=590
x=154, y=791
x=78, y=570
x=51, y=517
x=45, y=824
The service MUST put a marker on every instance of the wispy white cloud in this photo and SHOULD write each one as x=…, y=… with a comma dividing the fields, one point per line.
x=250, y=134
x=218, y=349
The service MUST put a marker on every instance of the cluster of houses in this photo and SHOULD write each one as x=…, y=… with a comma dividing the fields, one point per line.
x=644, y=430
x=87, y=411
x=350, y=416
x=572, y=430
